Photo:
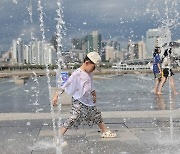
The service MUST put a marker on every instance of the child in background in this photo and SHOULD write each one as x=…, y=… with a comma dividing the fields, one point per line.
x=167, y=71
x=157, y=68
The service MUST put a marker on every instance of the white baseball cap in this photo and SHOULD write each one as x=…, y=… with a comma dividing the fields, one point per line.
x=95, y=58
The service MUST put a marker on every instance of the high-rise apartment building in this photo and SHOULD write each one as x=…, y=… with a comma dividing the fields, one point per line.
x=17, y=51
x=43, y=53
x=26, y=54
x=156, y=37
x=49, y=54
x=96, y=41
x=136, y=50
x=115, y=45
x=77, y=43
x=141, y=50
x=37, y=52
x=93, y=42
x=109, y=53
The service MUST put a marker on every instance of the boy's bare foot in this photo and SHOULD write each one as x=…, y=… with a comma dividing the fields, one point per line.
x=55, y=104
x=159, y=93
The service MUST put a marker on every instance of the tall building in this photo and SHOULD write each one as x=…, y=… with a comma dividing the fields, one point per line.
x=89, y=43
x=43, y=53
x=37, y=52
x=115, y=45
x=141, y=50
x=96, y=41
x=26, y=54
x=109, y=53
x=156, y=37
x=17, y=51
x=49, y=54
x=136, y=50
x=14, y=53
x=132, y=50
x=103, y=53
x=93, y=42
x=77, y=43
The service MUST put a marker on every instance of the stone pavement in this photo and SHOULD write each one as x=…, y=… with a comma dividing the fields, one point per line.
x=139, y=132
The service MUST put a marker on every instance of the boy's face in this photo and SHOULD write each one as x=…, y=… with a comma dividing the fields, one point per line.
x=90, y=67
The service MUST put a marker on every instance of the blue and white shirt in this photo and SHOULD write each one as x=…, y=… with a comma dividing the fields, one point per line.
x=156, y=61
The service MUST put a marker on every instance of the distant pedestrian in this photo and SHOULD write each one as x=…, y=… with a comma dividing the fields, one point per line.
x=167, y=71
x=157, y=68
x=80, y=86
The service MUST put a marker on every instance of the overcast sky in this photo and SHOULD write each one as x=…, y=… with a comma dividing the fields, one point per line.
x=120, y=20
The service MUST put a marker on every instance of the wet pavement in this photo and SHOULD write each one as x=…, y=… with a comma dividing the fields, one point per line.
x=144, y=122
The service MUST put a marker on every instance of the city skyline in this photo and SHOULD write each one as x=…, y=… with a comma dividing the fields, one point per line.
x=114, y=20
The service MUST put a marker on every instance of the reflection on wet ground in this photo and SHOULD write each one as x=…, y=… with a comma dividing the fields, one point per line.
x=135, y=92
x=130, y=92
x=153, y=132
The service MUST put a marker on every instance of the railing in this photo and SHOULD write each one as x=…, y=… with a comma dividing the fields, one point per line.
x=131, y=67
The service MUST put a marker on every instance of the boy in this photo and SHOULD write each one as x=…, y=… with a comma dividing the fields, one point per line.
x=80, y=87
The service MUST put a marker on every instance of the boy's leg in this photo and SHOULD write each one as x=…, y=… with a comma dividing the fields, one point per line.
x=63, y=130
x=74, y=116
x=102, y=127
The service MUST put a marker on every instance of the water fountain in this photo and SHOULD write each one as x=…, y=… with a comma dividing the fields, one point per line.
x=167, y=16
x=118, y=98
x=56, y=122
x=57, y=135
x=36, y=88
x=59, y=27
x=165, y=22
x=31, y=20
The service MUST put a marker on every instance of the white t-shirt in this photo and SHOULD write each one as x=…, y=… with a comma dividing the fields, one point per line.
x=166, y=62
x=80, y=85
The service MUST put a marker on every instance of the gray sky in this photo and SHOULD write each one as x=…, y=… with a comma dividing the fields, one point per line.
x=120, y=20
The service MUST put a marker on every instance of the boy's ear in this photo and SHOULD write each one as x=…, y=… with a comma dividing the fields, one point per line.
x=86, y=62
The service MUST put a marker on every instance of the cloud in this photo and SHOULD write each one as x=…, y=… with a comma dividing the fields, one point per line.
x=122, y=19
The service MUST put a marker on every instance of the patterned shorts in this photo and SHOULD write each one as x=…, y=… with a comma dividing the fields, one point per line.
x=82, y=115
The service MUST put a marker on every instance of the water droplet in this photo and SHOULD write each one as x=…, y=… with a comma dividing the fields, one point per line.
x=28, y=123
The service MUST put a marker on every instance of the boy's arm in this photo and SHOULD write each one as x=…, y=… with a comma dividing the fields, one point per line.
x=66, y=84
x=94, y=95
x=55, y=99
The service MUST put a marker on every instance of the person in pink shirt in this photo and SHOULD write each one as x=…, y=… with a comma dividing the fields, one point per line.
x=80, y=86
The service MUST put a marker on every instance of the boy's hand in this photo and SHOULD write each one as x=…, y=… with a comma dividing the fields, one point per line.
x=55, y=100
x=94, y=96
x=94, y=99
